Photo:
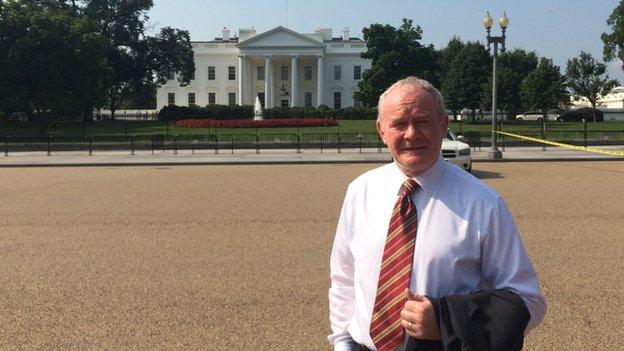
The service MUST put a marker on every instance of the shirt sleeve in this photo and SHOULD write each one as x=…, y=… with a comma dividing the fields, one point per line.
x=341, y=292
x=505, y=264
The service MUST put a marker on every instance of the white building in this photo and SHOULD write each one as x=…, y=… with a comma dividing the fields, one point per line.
x=290, y=68
x=613, y=100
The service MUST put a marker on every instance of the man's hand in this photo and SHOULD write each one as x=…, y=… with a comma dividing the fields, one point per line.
x=418, y=318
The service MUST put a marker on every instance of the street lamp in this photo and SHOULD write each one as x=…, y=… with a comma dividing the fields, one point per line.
x=495, y=153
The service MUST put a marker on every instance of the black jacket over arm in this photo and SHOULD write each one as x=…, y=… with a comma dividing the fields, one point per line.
x=489, y=320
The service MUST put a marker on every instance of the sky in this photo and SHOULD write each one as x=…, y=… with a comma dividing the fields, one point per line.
x=556, y=29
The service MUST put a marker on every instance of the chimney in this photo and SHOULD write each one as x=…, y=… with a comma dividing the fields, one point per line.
x=345, y=34
x=225, y=36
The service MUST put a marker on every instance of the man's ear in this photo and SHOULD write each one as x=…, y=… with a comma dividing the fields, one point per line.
x=380, y=131
x=445, y=123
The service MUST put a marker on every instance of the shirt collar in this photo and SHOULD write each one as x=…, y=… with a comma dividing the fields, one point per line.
x=427, y=180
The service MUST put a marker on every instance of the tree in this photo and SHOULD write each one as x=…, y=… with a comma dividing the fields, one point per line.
x=463, y=84
x=138, y=60
x=513, y=68
x=544, y=88
x=588, y=79
x=614, y=42
x=52, y=61
x=446, y=57
x=396, y=53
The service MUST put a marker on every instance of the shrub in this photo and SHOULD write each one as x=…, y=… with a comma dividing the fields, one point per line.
x=249, y=123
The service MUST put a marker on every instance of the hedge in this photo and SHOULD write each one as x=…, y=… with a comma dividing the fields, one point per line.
x=225, y=112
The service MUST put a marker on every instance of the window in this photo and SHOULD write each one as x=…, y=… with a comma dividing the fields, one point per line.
x=232, y=98
x=191, y=99
x=212, y=98
x=307, y=98
x=307, y=72
x=260, y=74
x=231, y=73
x=284, y=103
x=337, y=99
x=284, y=72
x=261, y=98
x=337, y=72
x=211, y=72
x=357, y=72
x=171, y=99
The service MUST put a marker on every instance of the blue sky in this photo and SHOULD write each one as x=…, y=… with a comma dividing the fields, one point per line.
x=556, y=29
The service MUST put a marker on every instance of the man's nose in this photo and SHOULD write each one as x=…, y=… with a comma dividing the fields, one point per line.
x=411, y=132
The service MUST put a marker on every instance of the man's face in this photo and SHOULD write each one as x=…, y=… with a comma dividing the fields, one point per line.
x=412, y=127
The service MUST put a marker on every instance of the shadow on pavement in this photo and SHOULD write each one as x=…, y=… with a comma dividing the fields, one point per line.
x=485, y=174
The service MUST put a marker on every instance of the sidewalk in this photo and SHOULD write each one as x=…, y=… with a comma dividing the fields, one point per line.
x=271, y=156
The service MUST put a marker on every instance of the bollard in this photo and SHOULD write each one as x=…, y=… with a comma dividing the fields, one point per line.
x=216, y=144
x=321, y=143
x=90, y=145
x=543, y=135
x=257, y=143
x=175, y=145
x=49, y=145
x=6, y=145
x=132, y=144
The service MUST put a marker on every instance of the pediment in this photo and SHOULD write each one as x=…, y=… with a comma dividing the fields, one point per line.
x=280, y=37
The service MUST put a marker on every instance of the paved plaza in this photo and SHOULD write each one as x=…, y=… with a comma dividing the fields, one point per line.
x=167, y=257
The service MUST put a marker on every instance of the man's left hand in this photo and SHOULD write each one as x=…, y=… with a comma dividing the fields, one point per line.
x=418, y=318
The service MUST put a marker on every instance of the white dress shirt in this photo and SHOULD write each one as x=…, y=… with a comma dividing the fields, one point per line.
x=466, y=241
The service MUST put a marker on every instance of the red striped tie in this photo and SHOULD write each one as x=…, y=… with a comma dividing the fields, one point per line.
x=396, y=268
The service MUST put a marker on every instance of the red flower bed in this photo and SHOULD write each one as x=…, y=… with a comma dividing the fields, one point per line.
x=249, y=123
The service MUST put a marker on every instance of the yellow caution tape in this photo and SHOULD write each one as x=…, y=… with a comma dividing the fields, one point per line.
x=554, y=143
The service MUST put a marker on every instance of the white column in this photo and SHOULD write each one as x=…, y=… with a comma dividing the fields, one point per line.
x=293, y=81
x=319, y=80
x=268, y=93
x=241, y=75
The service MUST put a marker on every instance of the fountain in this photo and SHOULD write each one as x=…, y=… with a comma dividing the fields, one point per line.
x=257, y=110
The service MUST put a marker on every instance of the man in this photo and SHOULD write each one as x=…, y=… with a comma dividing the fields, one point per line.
x=427, y=225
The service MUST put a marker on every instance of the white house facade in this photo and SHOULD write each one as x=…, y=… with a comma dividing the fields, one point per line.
x=281, y=67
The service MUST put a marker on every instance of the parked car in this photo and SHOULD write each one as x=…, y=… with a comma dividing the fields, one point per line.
x=536, y=116
x=456, y=152
x=580, y=114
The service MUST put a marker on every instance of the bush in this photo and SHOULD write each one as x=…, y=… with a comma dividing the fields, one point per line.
x=218, y=112
x=249, y=123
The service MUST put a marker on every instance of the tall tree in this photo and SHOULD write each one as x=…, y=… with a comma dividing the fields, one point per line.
x=395, y=53
x=614, y=41
x=52, y=61
x=544, y=88
x=446, y=57
x=513, y=68
x=136, y=59
x=463, y=85
x=588, y=79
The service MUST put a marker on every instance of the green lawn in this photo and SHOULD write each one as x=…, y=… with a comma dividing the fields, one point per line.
x=364, y=127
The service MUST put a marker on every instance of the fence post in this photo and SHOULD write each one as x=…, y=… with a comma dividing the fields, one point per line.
x=49, y=144
x=584, y=132
x=543, y=135
x=232, y=142
x=217, y=143
x=175, y=145
x=257, y=142
x=321, y=143
x=298, y=143
x=152, y=139
x=6, y=145
x=339, y=145
x=90, y=145
x=132, y=144
x=360, y=136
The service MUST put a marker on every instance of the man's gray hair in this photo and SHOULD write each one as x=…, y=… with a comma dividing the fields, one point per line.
x=413, y=82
